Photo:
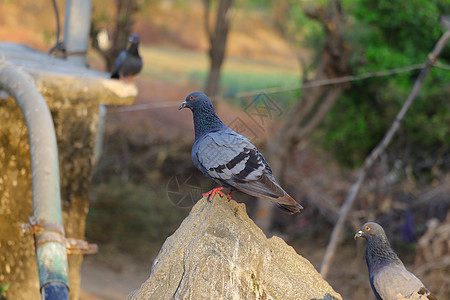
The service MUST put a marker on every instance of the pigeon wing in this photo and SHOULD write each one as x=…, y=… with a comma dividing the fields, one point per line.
x=232, y=159
x=131, y=66
x=392, y=280
x=223, y=155
x=118, y=64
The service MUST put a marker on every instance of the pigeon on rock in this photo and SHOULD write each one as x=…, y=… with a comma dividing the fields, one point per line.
x=388, y=276
x=128, y=63
x=230, y=159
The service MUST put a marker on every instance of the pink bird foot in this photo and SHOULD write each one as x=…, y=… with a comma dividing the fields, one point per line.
x=229, y=194
x=211, y=193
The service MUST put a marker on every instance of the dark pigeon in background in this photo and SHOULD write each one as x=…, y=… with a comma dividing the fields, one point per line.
x=129, y=62
x=231, y=159
x=388, y=276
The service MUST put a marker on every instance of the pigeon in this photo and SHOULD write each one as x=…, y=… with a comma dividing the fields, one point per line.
x=128, y=63
x=230, y=159
x=388, y=276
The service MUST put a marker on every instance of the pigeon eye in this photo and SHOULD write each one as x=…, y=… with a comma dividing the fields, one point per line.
x=367, y=228
x=191, y=97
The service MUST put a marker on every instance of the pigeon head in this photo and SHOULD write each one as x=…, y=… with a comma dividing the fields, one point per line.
x=378, y=251
x=371, y=230
x=133, y=47
x=205, y=117
x=134, y=39
x=195, y=101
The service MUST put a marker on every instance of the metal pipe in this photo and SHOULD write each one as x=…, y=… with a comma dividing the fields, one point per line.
x=48, y=227
x=77, y=25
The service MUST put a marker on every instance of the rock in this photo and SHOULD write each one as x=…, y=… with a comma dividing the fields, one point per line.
x=219, y=253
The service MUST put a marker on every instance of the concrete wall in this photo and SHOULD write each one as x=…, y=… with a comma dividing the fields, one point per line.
x=73, y=96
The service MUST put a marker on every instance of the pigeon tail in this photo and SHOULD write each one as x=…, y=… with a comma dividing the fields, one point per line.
x=267, y=188
x=288, y=204
x=291, y=209
x=284, y=201
x=115, y=75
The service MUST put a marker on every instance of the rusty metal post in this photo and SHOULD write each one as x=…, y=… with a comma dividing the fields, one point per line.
x=46, y=223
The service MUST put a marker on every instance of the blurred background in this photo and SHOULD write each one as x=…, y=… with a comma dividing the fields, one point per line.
x=267, y=65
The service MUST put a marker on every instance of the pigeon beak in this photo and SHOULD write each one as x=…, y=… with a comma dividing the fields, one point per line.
x=358, y=234
x=183, y=105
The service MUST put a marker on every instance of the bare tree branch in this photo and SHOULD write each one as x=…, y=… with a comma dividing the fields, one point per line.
x=218, y=41
x=370, y=160
x=321, y=113
x=302, y=119
x=207, y=17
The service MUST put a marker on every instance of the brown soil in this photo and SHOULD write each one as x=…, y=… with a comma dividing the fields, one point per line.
x=102, y=281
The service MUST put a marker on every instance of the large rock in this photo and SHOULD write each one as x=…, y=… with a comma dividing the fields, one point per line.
x=219, y=253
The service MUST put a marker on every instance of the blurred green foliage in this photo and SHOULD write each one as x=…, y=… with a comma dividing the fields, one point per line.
x=385, y=35
x=3, y=289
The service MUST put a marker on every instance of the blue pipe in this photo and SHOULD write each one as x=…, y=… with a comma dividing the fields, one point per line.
x=55, y=291
x=49, y=231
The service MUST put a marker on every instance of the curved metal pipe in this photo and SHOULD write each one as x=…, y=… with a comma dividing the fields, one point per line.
x=48, y=227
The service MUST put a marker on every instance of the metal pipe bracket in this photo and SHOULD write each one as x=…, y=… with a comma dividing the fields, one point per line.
x=51, y=232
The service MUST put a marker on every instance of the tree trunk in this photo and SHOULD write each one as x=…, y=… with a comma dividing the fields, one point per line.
x=218, y=41
x=281, y=9
x=315, y=102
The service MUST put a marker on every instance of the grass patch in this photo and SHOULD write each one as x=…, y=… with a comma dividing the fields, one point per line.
x=235, y=81
x=238, y=74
